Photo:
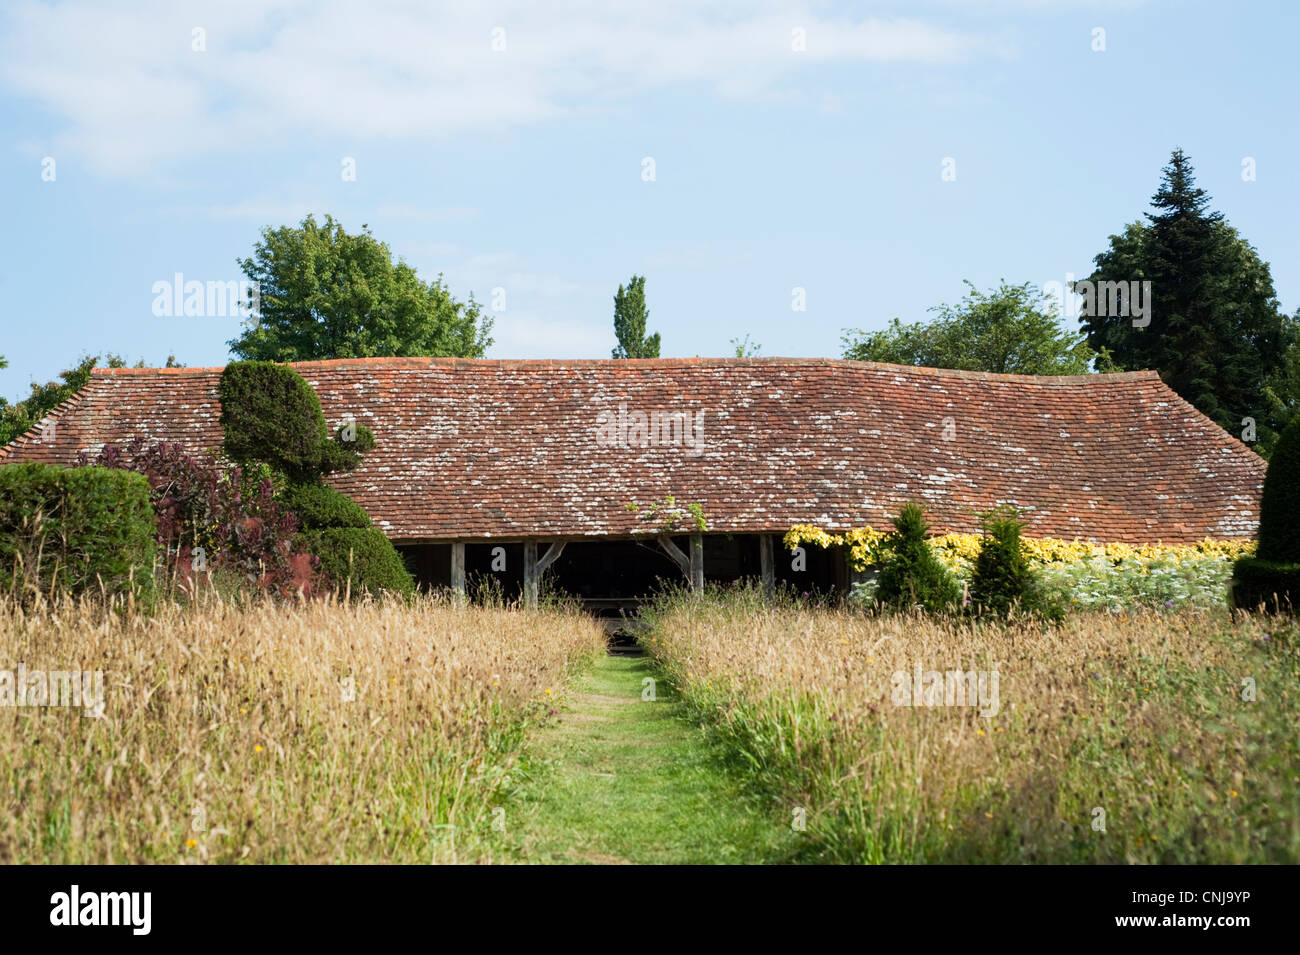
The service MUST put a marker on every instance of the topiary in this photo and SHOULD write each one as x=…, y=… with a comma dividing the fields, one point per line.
x=76, y=529
x=360, y=560
x=1279, y=504
x=1003, y=579
x=271, y=415
x=1272, y=577
x=318, y=505
x=911, y=574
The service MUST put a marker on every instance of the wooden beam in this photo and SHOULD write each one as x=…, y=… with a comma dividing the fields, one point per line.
x=458, y=569
x=766, y=563
x=697, y=561
x=552, y=554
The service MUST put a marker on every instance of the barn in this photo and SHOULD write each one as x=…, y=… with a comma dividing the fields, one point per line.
x=585, y=469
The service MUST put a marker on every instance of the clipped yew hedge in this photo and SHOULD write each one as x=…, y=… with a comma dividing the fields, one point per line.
x=318, y=505
x=76, y=529
x=1272, y=577
x=360, y=560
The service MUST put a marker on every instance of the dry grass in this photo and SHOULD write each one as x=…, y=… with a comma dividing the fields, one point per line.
x=1140, y=716
x=236, y=718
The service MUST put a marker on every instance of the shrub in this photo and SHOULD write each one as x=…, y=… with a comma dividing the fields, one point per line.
x=911, y=574
x=360, y=560
x=76, y=529
x=1267, y=583
x=317, y=506
x=271, y=415
x=1272, y=576
x=1279, y=505
x=215, y=518
x=1003, y=579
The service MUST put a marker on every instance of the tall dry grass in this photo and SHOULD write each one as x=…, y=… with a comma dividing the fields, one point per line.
x=1139, y=717
x=231, y=732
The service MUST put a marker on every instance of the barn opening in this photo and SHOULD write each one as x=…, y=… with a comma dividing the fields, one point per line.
x=610, y=576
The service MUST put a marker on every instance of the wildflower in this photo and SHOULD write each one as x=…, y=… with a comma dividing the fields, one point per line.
x=190, y=843
x=257, y=748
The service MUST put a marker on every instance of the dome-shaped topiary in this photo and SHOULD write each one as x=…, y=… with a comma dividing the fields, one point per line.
x=318, y=505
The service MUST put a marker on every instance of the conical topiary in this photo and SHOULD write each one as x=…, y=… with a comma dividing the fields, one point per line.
x=1279, y=506
x=912, y=575
x=1271, y=579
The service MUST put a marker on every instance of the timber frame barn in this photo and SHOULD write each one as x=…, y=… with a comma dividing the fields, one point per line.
x=516, y=468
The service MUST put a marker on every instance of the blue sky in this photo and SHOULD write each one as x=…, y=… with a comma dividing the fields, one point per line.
x=521, y=168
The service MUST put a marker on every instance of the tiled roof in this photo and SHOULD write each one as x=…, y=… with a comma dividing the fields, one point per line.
x=509, y=449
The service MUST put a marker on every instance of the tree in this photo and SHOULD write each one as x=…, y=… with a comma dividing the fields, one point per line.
x=630, y=316
x=17, y=419
x=1002, y=580
x=1215, y=331
x=911, y=574
x=323, y=293
x=1010, y=329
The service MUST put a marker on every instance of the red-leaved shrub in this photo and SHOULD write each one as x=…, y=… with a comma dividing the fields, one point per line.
x=213, y=516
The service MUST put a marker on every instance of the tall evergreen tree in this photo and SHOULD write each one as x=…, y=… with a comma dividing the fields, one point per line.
x=630, y=316
x=1216, y=332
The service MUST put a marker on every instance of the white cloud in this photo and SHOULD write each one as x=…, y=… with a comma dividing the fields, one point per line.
x=134, y=95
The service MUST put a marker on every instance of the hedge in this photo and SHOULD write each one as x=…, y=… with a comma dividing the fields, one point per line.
x=1279, y=504
x=1257, y=582
x=317, y=506
x=76, y=529
x=374, y=565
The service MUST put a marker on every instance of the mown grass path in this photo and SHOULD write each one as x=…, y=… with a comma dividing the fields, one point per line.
x=617, y=779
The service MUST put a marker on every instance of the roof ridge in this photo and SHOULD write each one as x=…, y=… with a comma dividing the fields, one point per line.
x=710, y=362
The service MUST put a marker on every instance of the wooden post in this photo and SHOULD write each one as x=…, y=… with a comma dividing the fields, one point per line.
x=530, y=575
x=697, y=561
x=535, y=567
x=458, y=569
x=766, y=563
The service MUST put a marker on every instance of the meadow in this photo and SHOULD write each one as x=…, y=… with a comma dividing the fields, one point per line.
x=1115, y=737
x=259, y=731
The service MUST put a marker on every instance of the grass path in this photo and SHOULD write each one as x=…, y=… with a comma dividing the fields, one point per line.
x=617, y=779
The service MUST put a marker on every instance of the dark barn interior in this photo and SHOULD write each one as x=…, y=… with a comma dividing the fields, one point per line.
x=611, y=575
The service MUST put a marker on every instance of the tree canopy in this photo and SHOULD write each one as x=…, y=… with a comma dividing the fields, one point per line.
x=1215, y=331
x=630, y=317
x=324, y=293
x=1012, y=329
